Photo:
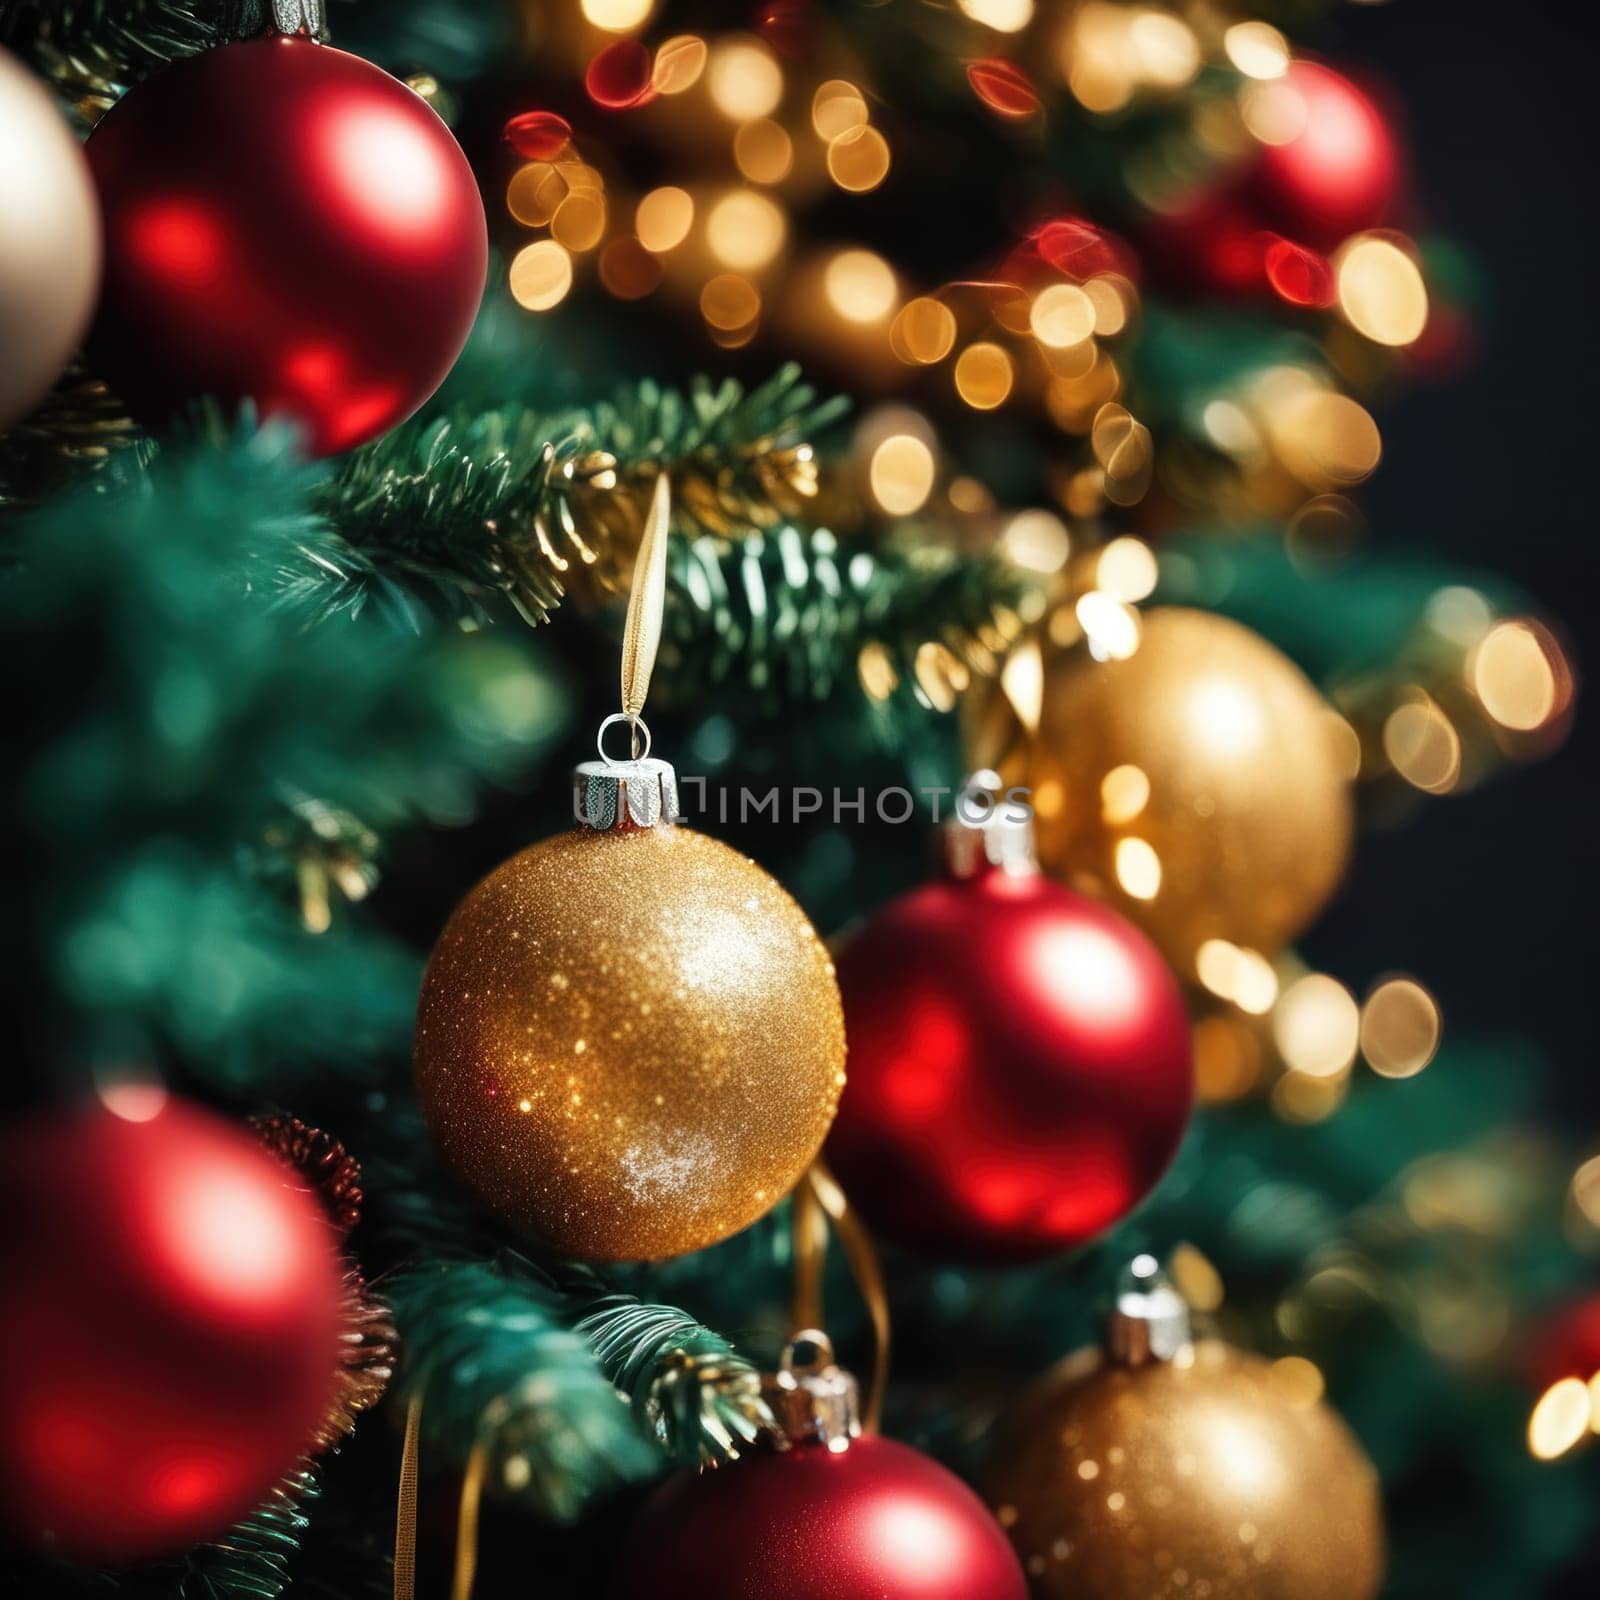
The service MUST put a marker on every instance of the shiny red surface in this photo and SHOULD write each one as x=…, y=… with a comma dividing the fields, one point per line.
x=878, y=1520
x=1341, y=172
x=168, y=1329
x=288, y=223
x=1018, y=1074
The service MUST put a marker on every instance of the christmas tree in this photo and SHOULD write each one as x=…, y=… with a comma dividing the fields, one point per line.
x=954, y=419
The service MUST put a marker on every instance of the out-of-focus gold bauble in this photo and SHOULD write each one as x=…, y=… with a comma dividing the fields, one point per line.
x=1198, y=784
x=49, y=241
x=1206, y=1475
x=629, y=1043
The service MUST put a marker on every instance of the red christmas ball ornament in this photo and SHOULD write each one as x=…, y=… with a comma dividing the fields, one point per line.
x=285, y=223
x=1019, y=1073
x=169, y=1329
x=836, y=1515
x=1334, y=166
x=1567, y=1345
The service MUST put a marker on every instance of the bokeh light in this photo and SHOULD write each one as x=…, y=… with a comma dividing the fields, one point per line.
x=663, y=218
x=860, y=286
x=1381, y=291
x=541, y=275
x=1400, y=1028
x=901, y=474
x=983, y=375
x=744, y=79
x=745, y=229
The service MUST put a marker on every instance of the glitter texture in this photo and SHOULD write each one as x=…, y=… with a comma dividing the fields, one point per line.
x=629, y=1044
x=1207, y=1475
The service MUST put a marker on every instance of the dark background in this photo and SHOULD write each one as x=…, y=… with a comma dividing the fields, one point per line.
x=1489, y=897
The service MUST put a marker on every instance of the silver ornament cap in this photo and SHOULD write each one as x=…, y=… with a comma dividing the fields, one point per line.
x=989, y=828
x=1150, y=1319
x=814, y=1400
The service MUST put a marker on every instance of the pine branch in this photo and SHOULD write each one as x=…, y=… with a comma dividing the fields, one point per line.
x=794, y=617
x=511, y=502
x=494, y=1363
x=695, y=1394
x=93, y=51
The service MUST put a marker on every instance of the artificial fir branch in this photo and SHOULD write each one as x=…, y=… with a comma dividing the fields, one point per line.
x=95, y=50
x=696, y=1395
x=512, y=502
x=495, y=1365
x=795, y=615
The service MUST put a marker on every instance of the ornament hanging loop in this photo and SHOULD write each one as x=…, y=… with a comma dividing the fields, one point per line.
x=638, y=738
x=249, y=19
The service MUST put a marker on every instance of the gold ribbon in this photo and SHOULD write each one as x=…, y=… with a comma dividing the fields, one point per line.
x=818, y=1200
x=405, y=1522
x=641, y=631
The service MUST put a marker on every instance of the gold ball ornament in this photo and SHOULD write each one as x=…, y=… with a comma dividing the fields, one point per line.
x=49, y=241
x=630, y=1041
x=1199, y=784
x=1206, y=1472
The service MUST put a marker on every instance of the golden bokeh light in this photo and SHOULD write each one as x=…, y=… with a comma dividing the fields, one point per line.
x=983, y=375
x=860, y=286
x=1327, y=440
x=763, y=151
x=1257, y=49
x=1112, y=296
x=1300, y=1098
x=729, y=303
x=924, y=331
x=1234, y=973
x=1585, y=1191
x=663, y=219
x=1036, y=541
x=1127, y=569
x=1316, y=1026
x=541, y=275
x=1381, y=291
x=678, y=64
x=1422, y=745
x=534, y=192
x=1164, y=49
x=1562, y=1416
x=901, y=474
x=1004, y=16
x=1274, y=113
x=617, y=16
x=1062, y=316
x=745, y=230
x=1110, y=627
x=745, y=79
x=580, y=221
x=1124, y=793
x=1194, y=1277
x=836, y=108
x=1096, y=57
x=1400, y=1028
x=1138, y=868
x=1519, y=675
x=858, y=160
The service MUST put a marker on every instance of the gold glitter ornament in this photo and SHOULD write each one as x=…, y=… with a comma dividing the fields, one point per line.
x=1168, y=1469
x=1198, y=784
x=630, y=1040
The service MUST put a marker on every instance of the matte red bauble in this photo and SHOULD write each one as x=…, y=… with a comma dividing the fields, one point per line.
x=813, y=1523
x=1019, y=1071
x=169, y=1328
x=284, y=223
